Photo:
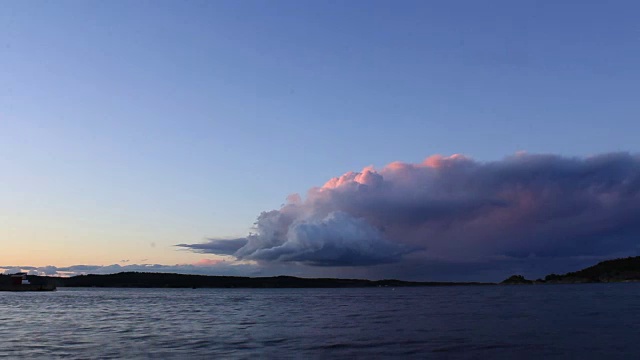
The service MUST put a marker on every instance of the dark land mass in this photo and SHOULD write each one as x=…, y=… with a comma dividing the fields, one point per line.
x=168, y=280
x=618, y=270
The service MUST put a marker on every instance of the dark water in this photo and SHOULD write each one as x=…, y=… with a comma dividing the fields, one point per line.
x=525, y=322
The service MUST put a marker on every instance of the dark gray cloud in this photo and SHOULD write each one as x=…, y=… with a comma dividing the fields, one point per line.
x=218, y=246
x=454, y=210
x=335, y=240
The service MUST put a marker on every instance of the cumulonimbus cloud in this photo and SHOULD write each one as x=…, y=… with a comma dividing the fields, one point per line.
x=454, y=209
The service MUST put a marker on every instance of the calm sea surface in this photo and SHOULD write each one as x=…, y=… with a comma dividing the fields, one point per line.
x=525, y=322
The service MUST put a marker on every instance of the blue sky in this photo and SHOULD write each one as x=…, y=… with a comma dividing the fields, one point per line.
x=128, y=127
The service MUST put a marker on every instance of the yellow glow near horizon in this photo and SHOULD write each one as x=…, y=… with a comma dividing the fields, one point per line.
x=42, y=242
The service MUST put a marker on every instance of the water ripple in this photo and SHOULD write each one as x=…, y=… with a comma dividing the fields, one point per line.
x=585, y=321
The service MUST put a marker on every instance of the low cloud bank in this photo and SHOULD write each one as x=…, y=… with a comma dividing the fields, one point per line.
x=454, y=210
x=202, y=267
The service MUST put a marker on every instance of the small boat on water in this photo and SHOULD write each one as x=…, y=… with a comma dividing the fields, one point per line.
x=19, y=282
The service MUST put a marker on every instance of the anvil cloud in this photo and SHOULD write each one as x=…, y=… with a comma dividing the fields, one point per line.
x=454, y=209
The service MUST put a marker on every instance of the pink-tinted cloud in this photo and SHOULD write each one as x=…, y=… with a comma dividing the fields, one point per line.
x=207, y=262
x=454, y=209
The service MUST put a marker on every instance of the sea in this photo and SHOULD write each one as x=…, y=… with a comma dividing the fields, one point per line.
x=587, y=321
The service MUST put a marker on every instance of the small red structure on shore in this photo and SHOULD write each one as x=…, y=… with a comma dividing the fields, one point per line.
x=19, y=282
x=19, y=279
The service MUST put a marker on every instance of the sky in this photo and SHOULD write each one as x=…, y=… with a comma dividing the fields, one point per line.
x=467, y=140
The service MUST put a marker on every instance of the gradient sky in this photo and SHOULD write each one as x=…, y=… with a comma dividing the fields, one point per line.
x=127, y=127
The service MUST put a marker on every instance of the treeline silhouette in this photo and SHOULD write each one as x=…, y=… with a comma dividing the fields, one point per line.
x=170, y=280
x=616, y=270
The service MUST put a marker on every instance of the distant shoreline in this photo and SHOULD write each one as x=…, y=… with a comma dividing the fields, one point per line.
x=623, y=270
x=610, y=271
x=171, y=280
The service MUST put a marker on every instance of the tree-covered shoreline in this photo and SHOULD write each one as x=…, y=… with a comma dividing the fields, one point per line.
x=616, y=270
